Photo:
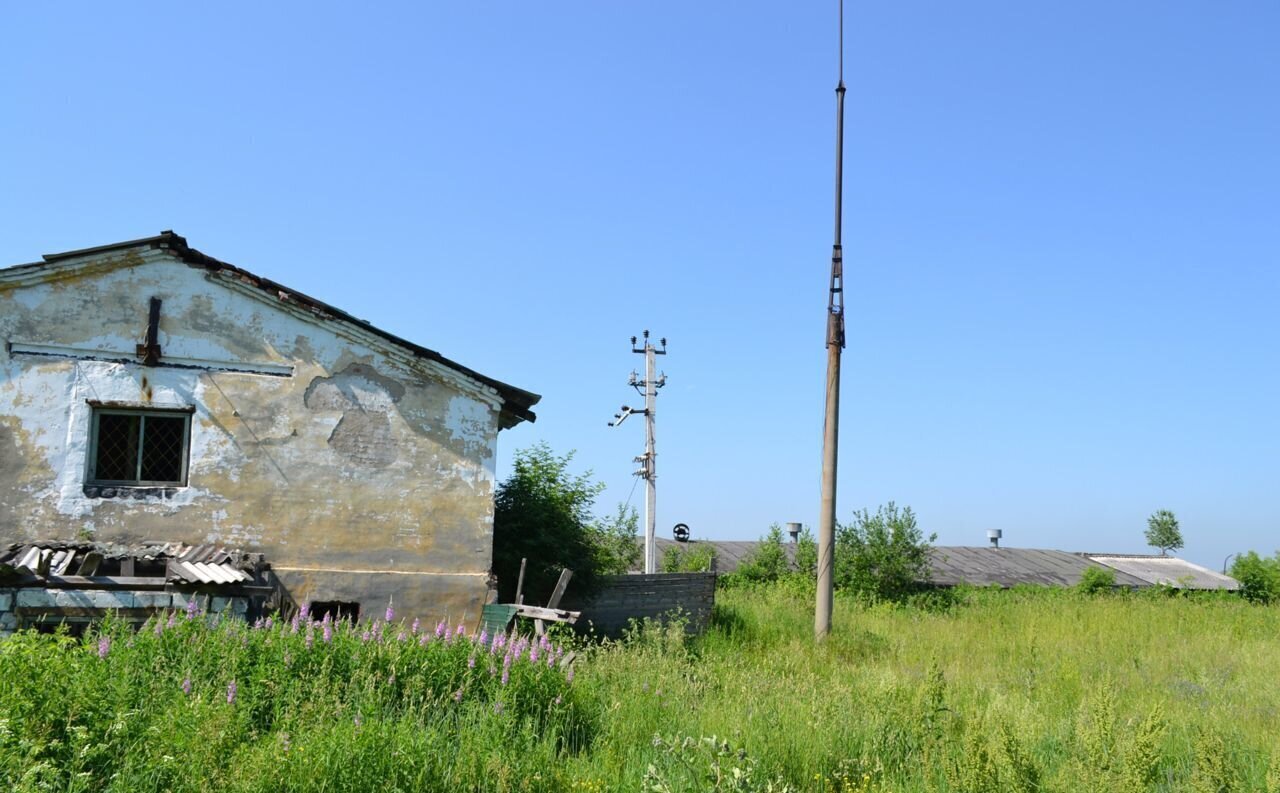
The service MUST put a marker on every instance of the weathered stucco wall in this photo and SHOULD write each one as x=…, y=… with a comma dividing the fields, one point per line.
x=366, y=473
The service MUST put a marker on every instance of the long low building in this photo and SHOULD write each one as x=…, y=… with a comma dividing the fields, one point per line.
x=1006, y=567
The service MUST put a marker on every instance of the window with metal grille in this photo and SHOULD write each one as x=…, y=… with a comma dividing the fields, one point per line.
x=139, y=447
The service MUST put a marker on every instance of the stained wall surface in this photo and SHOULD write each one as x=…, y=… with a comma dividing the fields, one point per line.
x=363, y=472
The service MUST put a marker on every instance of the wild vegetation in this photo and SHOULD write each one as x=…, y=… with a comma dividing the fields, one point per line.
x=1023, y=690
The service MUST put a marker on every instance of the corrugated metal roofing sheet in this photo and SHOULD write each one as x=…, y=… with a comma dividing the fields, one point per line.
x=192, y=564
x=1168, y=570
x=985, y=566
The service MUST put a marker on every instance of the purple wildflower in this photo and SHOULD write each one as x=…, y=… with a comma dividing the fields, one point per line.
x=104, y=646
x=568, y=676
x=391, y=613
x=305, y=611
x=257, y=624
x=556, y=701
x=186, y=685
x=268, y=623
x=173, y=618
x=441, y=628
x=159, y=629
x=231, y=692
x=328, y=632
x=364, y=637
x=462, y=630
x=401, y=636
x=414, y=627
x=191, y=608
x=423, y=639
x=551, y=661
x=293, y=624
x=471, y=662
x=506, y=676
x=311, y=637
x=483, y=638
x=533, y=655
x=457, y=695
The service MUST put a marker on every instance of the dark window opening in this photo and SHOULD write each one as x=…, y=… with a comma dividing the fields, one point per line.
x=74, y=628
x=335, y=610
x=132, y=447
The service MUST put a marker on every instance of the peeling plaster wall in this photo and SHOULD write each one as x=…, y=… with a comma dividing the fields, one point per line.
x=366, y=474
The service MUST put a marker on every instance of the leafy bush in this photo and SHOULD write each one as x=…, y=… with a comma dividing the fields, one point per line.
x=768, y=563
x=882, y=555
x=806, y=561
x=1259, y=576
x=1095, y=580
x=688, y=558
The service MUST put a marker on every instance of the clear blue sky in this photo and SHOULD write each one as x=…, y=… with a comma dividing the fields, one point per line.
x=1062, y=229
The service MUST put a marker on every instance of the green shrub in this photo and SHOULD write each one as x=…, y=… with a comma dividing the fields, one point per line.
x=688, y=558
x=883, y=555
x=767, y=564
x=1259, y=576
x=1096, y=580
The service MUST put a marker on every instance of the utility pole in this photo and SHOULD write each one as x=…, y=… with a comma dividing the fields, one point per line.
x=648, y=470
x=831, y=424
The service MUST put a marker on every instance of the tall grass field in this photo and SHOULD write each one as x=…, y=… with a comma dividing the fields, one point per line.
x=1032, y=690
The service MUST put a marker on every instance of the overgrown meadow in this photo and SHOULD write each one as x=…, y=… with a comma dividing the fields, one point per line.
x=1024, y=690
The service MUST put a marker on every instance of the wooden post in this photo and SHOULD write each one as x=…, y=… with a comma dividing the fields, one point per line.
x=520, y=583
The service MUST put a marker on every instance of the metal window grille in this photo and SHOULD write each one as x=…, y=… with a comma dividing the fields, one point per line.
x=140, y=447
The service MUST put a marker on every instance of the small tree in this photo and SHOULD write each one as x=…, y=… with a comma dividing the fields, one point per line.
x=806, y=553
x=1163, y=532
x=617, y=551
x=543, y=513
x=884, y=554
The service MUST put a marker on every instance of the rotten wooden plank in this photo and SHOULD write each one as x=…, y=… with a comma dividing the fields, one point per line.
x=550, y=615
x=561, y=585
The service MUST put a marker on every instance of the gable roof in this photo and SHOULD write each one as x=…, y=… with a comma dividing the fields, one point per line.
x=516, y=402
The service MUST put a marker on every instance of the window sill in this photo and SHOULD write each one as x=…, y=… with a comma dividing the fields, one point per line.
x=136, y=492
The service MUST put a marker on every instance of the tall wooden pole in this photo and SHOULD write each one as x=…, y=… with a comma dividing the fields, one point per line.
x=831, y=424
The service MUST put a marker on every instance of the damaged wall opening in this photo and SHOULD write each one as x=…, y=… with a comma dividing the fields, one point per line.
x=335, y=610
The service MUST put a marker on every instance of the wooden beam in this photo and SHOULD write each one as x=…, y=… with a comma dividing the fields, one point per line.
x=550, y=615
x=561, y=585
x=520, y=583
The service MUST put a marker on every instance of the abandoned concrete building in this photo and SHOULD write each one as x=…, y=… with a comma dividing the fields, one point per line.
x=161, y=408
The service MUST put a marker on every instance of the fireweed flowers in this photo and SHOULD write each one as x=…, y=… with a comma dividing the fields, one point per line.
x=231, y=693
x=104, y=646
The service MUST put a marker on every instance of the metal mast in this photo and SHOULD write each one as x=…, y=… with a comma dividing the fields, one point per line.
x=648, y=470
x=835, y=345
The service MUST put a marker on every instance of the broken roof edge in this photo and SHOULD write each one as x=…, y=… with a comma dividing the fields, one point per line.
x=517, y=403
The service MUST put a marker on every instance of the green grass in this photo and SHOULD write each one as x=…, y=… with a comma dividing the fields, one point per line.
x=1005, y=691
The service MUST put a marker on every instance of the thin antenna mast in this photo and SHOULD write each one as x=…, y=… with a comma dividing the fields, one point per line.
x=835, y=345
